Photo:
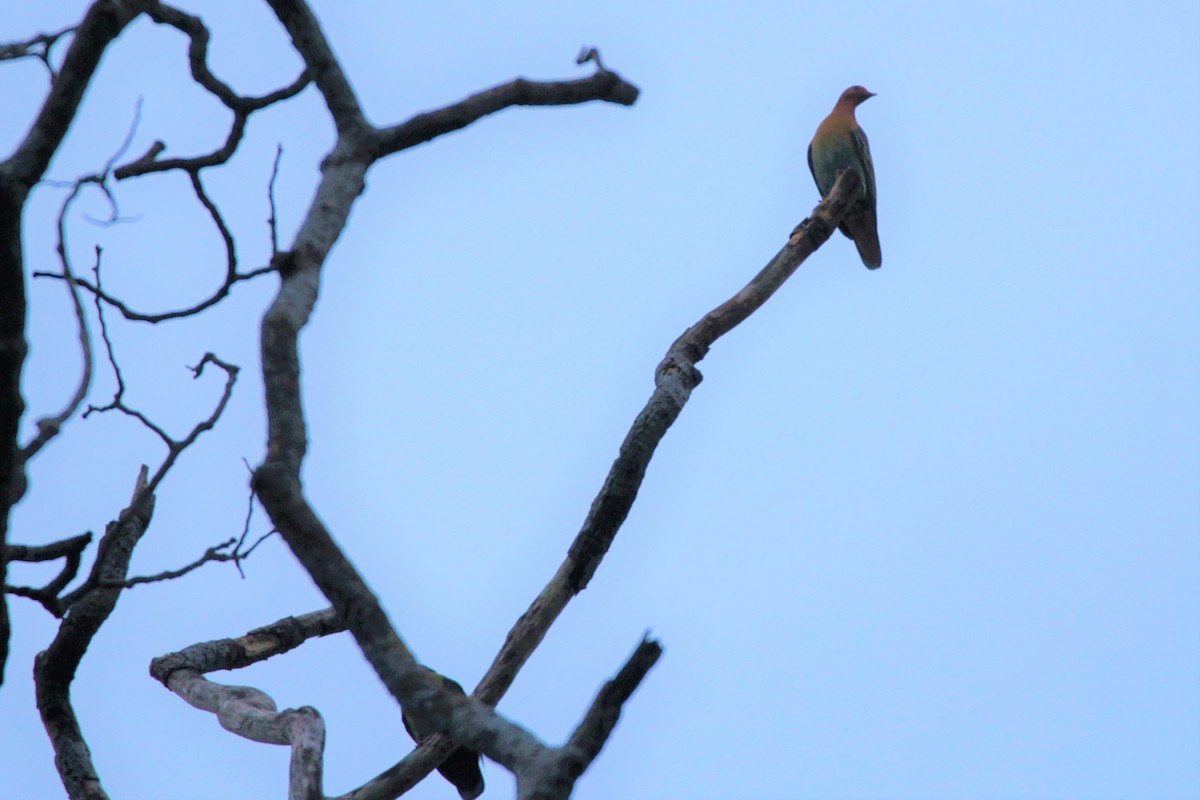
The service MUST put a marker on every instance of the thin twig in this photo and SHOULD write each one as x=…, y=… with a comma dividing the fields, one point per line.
x=49, y=427
x=272, y=220
x=232, y=276
x=137, y=316
x=38, y=47
x=118, y=401
x=211, y=554
x=175, y=449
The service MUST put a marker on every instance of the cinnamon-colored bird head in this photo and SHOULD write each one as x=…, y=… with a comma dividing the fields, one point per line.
x=855, y=95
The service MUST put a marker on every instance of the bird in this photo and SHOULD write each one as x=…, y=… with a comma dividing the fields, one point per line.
x=840, y=144
x=461, y=767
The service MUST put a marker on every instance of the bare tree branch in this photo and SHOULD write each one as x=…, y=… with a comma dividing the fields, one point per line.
x=211, y=554
x=198, y=35
x=560, y=769
x=272, y=221
x=603, y=85
x=37, y=553
x=257, y=645
x=103, y=22
x=174, y=447
x=70, y=550
x=54, y=667
x=310, y=42
x=674, y=379
x=253, y=715
x=249, y=712
x=277, y=481
x=231, y=277
x=242, y=107
x=38, y=47
x=49, y=427
x=92, y=603
x=591, y=734
x=118, y=401
x=612, y=504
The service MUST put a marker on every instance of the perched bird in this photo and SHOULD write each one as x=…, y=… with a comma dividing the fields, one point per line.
x=461, y=767
x=840, y=144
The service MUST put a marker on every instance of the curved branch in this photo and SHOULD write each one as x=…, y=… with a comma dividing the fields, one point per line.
x=603, y=85
x=249, y=712
x=198, y=34
x=150, y=163
x=70, y=550
x=144, y=166
x=320, y=62
x=193, y=27
x=38, y=47
x=232, y=276
x=253, y=715
x=104, y=21
x=48, y=427
x=138, y=316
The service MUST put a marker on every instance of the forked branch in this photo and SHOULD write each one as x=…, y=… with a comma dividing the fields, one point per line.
x=675, y=378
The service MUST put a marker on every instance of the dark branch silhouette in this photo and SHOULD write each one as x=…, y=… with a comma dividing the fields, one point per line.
x=55, y=667
x=27, y=165
x=38, y=47
x=542, y=770
x=70, y=550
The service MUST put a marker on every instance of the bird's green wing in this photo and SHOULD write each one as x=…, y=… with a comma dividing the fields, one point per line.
x=862, y=152
x=812, y=169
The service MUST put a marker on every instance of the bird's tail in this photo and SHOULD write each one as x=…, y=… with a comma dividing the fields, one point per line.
x=866, y=237
x=868, y=250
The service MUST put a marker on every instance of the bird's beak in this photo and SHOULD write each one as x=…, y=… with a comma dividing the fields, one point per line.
x=871, y=94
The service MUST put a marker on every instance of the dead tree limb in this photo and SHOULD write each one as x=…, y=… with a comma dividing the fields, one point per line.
x=603, y=85
x=249, y=712
x=103, y=22
x=54, y=668
x=675, y=377
x=241, y=107
x=69, y=550
x=570, y=761
x=277, y=480
x=38, y=47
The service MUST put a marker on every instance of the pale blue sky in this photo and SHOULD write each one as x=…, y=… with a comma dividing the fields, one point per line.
x=926, y=532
